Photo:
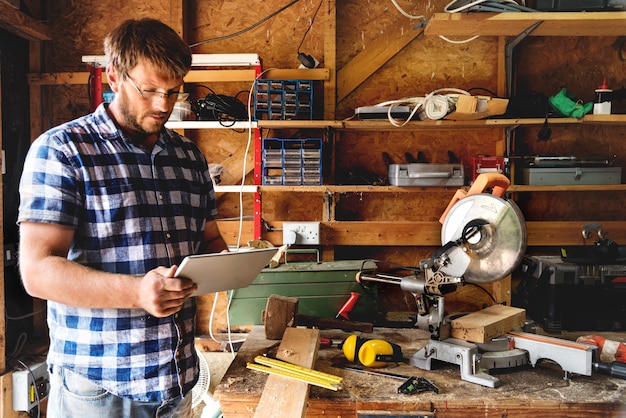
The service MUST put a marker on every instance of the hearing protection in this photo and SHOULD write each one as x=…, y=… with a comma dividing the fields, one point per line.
x=370, y=353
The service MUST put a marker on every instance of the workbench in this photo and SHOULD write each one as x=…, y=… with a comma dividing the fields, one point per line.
x=524, y=392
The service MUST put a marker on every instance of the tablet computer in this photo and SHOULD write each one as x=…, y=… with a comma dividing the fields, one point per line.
x=217, y=272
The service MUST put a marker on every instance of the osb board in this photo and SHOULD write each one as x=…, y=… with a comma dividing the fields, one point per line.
x=365, y=149
x=540, y=68
x=79, y=27
x=276, y=40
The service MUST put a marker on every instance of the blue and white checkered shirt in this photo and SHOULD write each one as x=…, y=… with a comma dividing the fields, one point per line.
x=132, y=211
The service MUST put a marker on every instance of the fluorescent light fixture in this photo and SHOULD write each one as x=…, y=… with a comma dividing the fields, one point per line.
x=216, y=60
x=197, y=60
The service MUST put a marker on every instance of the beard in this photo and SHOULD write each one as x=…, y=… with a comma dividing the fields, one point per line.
x=141, y=124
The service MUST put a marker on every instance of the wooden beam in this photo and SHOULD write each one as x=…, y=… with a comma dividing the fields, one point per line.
x=330, y=58
x=421, y=234
x=22, y=25
x=377, y=54
x=513, y=24
x=194, y=76
x=282, y=396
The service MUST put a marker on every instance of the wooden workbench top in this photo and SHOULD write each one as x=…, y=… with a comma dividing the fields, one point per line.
x=538, y=391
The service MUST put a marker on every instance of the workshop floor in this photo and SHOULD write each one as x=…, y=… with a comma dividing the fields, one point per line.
x=218, y=364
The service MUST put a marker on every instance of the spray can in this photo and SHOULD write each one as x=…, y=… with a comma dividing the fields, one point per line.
x=602, y=103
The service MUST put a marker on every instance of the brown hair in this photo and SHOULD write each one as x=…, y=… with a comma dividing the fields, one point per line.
x=148, y=40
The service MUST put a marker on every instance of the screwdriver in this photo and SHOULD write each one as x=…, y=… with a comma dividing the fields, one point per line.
x=615, y=369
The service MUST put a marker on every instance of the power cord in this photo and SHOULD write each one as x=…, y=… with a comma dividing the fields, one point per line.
x=266, y=18
x=307, y=60
x=433, y=106
x=219, y=107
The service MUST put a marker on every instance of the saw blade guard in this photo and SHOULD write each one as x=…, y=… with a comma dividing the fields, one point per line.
x=496, y=249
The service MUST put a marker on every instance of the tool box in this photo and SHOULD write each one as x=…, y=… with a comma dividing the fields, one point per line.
x=426, y=174
x=321, y=289
x=570, y=296
x=485, y=164
x=542, y=176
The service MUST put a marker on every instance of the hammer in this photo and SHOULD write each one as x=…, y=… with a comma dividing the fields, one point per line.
x=282, y=312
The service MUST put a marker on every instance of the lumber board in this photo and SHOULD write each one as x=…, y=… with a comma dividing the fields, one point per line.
x=283, y=396
x=421, y=233
x=513, y=24
x=488, y=323
x=280, y=312
x=23, y=25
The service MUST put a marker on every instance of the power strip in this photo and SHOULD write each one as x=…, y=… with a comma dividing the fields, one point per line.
x=30, y=386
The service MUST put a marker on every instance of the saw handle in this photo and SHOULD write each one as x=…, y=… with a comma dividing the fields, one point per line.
x=495, y=181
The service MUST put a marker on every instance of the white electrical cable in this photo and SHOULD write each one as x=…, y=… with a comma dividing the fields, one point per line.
x=465, y=7
x=437, y=105
x=405, y=14
x=434, y=106
x=472, y=4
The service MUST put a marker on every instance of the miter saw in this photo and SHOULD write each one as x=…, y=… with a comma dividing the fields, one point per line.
x=484, y=237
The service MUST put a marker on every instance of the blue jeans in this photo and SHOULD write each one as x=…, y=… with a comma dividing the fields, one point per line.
x=72, y=395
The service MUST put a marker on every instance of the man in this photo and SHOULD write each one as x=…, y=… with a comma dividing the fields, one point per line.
x=110, y=204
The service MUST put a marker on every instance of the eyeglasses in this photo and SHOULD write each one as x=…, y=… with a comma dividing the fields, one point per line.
x=171, y=95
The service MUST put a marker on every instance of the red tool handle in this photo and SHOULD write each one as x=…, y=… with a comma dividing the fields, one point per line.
x=347, y=307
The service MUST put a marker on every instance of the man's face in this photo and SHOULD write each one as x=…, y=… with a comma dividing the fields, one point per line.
x=146, y=100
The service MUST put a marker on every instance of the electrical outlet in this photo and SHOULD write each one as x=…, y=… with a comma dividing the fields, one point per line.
x=30, y=386
x=301, y=233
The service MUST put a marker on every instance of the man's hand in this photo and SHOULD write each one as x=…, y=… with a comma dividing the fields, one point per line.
x=161, y=294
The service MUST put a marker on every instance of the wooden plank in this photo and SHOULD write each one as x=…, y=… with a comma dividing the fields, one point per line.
x=570, y=233
x=330, y=58
x=22, y=25
x=423, y=233
x=377, y=54
x=488, y=323
x=280, y=312
x=513, y=24
x=6, y=397
x=284, y=397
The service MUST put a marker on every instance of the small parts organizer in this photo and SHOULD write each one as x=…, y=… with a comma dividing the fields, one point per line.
x=292, y=162
x=283, y=99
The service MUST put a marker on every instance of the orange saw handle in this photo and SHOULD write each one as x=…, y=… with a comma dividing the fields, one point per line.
x=495, y=181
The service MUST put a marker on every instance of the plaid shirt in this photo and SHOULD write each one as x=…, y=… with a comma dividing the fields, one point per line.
x=132, y=211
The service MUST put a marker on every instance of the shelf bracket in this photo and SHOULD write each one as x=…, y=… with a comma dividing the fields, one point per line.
x=510, y=46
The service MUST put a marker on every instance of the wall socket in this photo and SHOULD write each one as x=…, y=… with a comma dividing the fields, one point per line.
x=30, y=387
x=301, y=233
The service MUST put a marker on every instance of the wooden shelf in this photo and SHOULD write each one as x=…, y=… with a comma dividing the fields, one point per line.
x=210, y=124
x=443, y=124
x=566, y=188
x=350, y=189
x=514, y=23
x=516, y=188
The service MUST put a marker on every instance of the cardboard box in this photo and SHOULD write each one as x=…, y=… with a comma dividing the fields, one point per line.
x=477, y=107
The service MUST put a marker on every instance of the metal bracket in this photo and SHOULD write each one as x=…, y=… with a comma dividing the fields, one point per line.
x=508, y=55
x=453, y=350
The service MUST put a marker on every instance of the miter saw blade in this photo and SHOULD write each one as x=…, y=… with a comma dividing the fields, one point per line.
x=496, y=250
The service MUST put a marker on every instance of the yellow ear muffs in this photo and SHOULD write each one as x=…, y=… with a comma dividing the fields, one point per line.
x=375, y=353
x=370, y=353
